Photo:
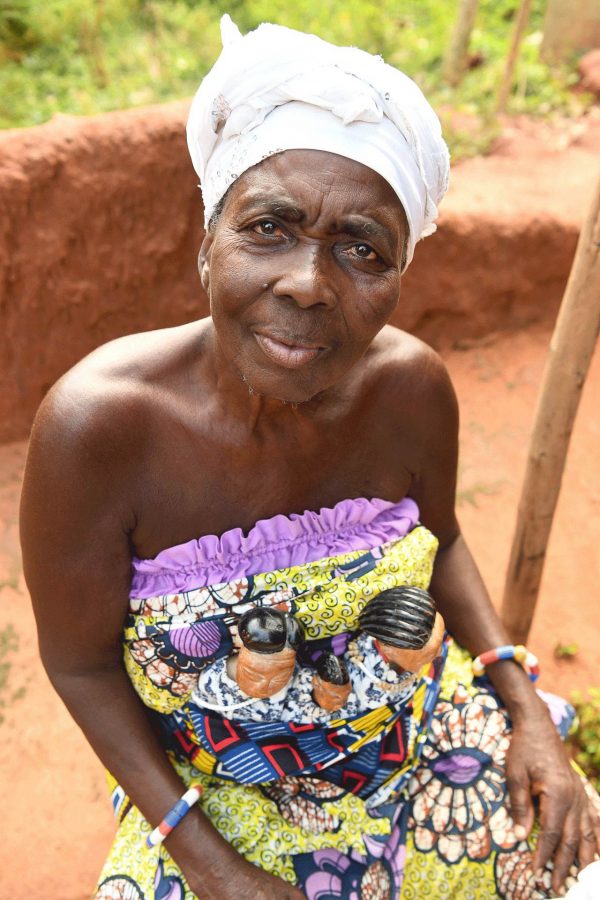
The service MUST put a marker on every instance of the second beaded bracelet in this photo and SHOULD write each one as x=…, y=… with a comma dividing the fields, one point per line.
x=175, y=815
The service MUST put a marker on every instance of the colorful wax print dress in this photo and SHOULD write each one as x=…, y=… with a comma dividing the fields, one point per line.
x=400, y=794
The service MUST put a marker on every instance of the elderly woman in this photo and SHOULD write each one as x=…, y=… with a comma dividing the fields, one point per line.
x=280, y=464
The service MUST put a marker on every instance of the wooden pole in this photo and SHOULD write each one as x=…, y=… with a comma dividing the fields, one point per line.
x=455, y=59
x=571, y=350
x=511, y=60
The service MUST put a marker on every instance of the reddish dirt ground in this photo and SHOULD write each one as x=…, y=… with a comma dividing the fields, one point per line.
x=56, y=818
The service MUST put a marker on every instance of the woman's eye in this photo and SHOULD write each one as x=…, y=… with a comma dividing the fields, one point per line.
x=268, y=228
x=364, y=251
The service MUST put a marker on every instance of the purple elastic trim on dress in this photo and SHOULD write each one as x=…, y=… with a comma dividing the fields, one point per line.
x=275, y=543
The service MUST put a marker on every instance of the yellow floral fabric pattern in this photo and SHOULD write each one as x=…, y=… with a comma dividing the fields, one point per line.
x=430, y=817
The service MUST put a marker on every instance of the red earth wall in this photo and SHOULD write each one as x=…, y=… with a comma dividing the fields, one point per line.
x=100, y=224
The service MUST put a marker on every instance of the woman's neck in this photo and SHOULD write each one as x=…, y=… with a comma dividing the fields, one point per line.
x=237, y=395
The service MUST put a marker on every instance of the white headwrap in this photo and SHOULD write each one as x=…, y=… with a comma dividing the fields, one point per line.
x=276, y=89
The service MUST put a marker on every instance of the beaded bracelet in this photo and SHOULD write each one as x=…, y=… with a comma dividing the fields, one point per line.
x=517, y=652
x=175, y=815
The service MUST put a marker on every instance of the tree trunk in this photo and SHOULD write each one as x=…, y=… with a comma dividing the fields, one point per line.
x=455, y=60
x=570, y=26
x=511, y=60
x=571, y=350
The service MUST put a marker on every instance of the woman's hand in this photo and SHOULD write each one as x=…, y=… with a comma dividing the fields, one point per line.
x=243, y=881
x=214, y=870
x=537, y=766
x=256, y=884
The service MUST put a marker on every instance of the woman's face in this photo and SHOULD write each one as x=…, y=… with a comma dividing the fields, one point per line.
x=303, y=269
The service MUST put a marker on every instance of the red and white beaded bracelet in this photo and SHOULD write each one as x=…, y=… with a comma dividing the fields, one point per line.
x=518, y=652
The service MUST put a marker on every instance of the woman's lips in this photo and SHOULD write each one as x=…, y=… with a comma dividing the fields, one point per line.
x=291, y=356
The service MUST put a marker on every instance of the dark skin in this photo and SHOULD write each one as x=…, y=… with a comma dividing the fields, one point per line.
x=294, y=396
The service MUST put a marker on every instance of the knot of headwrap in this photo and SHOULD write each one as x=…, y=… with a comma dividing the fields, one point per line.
x=276, y=89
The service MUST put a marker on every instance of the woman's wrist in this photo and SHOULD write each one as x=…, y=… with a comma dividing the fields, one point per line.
x=199, y=849
x=516, y=691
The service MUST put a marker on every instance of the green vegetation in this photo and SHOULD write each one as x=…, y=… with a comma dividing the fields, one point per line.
x=83, y=57
x=9, y=644
x=87, y=56
x=586, y=740
x=566, y=651
x=469, y=495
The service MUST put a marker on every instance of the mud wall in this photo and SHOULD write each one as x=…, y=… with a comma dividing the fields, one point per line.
x=101, y=220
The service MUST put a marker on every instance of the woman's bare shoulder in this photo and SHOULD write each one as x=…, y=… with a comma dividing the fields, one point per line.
x=140, y=359
x=93, y=437
x=118, y=382
x=407, y=369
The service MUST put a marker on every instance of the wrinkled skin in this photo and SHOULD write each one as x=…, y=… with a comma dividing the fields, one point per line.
x=156, y=439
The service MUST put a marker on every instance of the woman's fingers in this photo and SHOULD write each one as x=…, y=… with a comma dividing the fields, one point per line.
x=567, y=847
x=590, y=832
x=521, y=806
x=567, y=838
x=593, y=809
x=554, y=811
x=587, y=840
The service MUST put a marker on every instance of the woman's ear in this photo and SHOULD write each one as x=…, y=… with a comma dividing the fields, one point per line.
x=204, y=261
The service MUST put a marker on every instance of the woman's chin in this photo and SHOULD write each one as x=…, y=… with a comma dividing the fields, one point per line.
x=289, y=385
x=283, y=390
x=299, y=384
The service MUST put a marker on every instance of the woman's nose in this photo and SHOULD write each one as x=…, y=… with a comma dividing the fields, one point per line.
x=304, y=277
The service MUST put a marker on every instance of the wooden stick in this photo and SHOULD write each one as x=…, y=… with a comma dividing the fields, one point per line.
x=511, y=60
x=455, y=60
x=571, y=350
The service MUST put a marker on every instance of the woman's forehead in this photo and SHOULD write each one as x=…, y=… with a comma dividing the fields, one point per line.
x=299, y=184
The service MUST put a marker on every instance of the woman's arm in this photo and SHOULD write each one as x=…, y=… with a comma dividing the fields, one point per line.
x=537, y=764
x=77, y=514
